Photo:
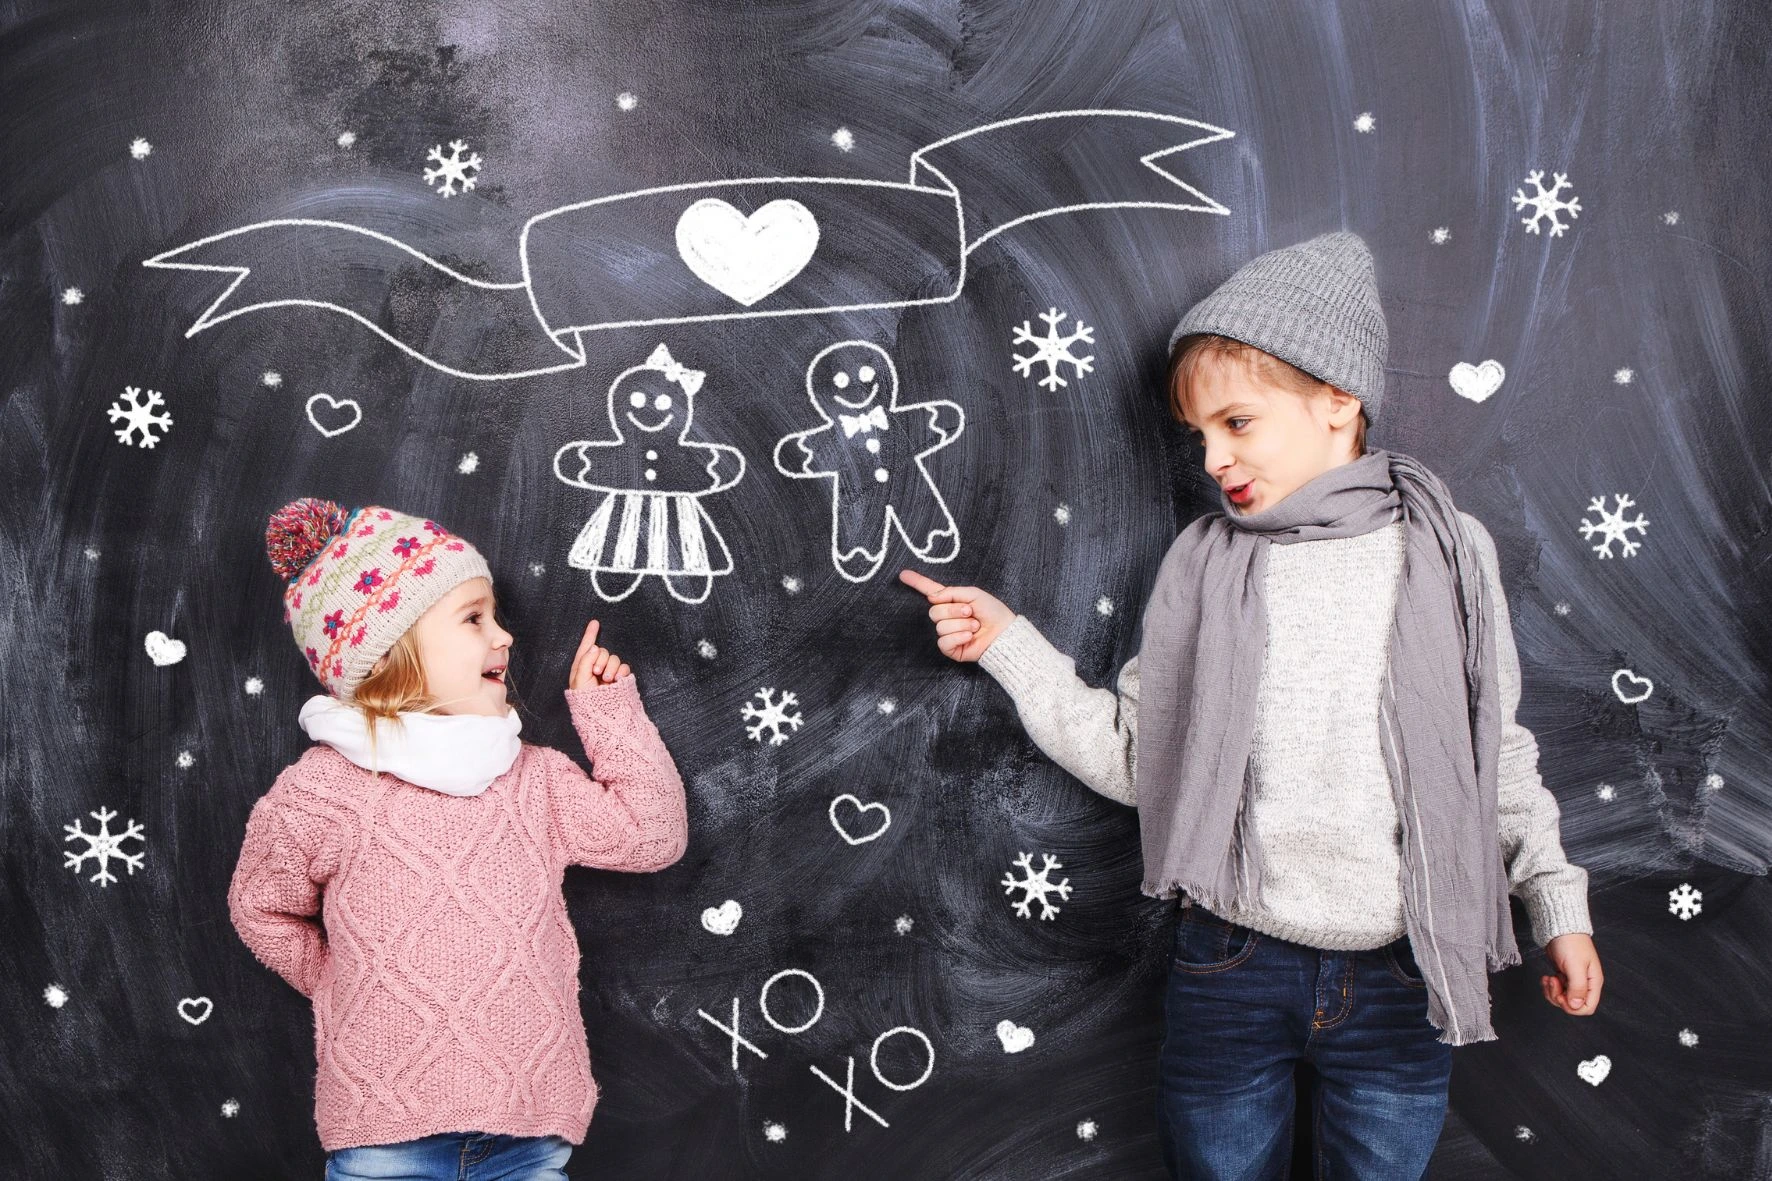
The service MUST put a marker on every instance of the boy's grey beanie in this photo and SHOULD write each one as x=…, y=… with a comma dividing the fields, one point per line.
x=1314, y=304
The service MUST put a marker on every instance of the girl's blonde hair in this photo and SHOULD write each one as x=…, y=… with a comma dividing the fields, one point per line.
x=398, y=687
x=1184, y=359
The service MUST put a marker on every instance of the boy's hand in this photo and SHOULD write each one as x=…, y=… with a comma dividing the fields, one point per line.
x=1576, y=987
x=966, y=619
x=593, y=665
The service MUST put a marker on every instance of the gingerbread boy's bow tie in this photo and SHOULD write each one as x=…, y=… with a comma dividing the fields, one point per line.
x=863, y=423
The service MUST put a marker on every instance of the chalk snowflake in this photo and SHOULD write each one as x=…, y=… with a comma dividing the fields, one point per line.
x=1545, y=202
x=138, y=415
x=773, y=716
x=1036, y=885
x=102, y=845
x=1053, y=349
x=1612, y=525
x=452, y=169
x=1685, y=901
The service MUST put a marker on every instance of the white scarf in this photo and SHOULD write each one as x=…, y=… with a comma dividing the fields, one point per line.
x=456, y=754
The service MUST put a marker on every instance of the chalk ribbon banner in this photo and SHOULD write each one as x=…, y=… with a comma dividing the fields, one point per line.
x=727, y=250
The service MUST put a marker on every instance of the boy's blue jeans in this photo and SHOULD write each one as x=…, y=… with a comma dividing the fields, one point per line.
x=1242, y=1007
x=454, y=1156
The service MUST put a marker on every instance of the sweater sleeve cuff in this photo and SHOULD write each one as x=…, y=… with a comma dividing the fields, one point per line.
x=596, y=709
x=1560, y=910
x=1021, y=659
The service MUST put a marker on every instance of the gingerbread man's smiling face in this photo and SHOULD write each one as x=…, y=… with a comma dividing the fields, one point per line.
x=648, y=400
x=853, y=375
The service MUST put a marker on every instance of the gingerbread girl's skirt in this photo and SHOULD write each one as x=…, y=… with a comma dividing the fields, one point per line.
x=639, y=533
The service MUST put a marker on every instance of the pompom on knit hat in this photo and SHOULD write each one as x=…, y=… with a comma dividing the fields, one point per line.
x=356, y=579
x=1314, y=304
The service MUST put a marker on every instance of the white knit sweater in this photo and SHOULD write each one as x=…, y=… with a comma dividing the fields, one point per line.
x=1321, y=798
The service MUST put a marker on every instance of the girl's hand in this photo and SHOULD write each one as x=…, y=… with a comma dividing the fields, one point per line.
x=593, y=665
x=966, y=619
x=1576, y=986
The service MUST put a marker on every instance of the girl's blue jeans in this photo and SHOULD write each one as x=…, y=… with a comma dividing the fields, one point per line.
x=1243, y=1007
x=454, y=1156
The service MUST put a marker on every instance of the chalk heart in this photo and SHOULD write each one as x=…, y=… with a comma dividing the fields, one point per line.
x=1595, y=1069
x=336, y=416
x=1015, y=1038
x=163, y=649
x=848, y=804
x=722, y=919
x=746, y=258
x=1631, y=688
x=1476, y=382
x=196, y=1009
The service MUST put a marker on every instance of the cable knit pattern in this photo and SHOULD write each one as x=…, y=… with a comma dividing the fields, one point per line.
x=444, y=976
x=1321, y=799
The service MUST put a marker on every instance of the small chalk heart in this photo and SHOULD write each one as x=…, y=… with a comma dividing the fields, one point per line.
x=853, y=802
x=1625, y=676
x=722, y=919
x=1476, y=382
x=1015, y=1038
x=1595, y=1069
x=191, y=1004
x=163, y=649
x=336, y=423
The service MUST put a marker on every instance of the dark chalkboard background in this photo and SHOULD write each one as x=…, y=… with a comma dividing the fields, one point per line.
x=1395, y=122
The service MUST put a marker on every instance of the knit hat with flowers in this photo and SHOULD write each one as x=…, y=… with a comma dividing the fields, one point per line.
x=357, y=579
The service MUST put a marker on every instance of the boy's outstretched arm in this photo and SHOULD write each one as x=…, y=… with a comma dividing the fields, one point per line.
x=1553, y=890
x=1092, y=733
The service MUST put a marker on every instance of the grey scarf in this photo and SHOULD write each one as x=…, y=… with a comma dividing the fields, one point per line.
x=1439, y=719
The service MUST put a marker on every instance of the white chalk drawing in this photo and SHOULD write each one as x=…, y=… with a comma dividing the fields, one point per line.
x=1476, y=382
x=1606, y=792
x=1053, y=349
x=340, y=415
x=1688, y=1038
x=254, y=686
x=140, y=148
x=1593, y=1071
x=847, y=1088
x=1671, y=217
x=722, y=919
x=1624, y=376
x=763, y=1000
x=453, y=169
x=196, y=1009
x=844, y=139
x=859, y=809
x=773, y=716
x=230, y=1108
x=627, y=100
x=706, y=649
x=140, y=417
x=73, y=296
x=1685, y=901
x=1545, y=203
x=1524, y=1134
x=1015, y=1038
x=650, y=519
x=468, y=464
x=271, y=379
x=746, y=257
x=1062, y=514
x=346, y=139
x=871, y=448
x=1366, y=122
x=55, y=996
x=1612, y=526
x=774, y=1133
x=163, y=649
x=1104, y=606
x=102, y=846
x=1036, y=885
x=903, y=924
x=1086, y=1130
x=186, y=759
x=1629, y=688
x=1441, y=235
x=573, y=287
x=887, y=706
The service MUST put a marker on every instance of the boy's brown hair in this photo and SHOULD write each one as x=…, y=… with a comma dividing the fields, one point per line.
x=1185, y=358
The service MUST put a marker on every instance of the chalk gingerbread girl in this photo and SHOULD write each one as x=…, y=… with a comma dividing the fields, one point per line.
x=871, y=448
x=651, y=519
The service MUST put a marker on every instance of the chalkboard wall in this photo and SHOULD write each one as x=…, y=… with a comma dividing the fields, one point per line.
x=403, y=252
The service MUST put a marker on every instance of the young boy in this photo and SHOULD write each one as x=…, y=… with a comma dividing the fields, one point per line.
x=1318, y=733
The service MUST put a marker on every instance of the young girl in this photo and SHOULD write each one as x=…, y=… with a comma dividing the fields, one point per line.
x=445, y=977
x=1318, y=733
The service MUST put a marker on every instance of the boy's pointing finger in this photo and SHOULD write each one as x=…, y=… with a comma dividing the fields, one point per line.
x=921, y=583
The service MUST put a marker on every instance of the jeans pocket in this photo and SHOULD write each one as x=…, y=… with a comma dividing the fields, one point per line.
x=1204, y=942
x=1399, y=957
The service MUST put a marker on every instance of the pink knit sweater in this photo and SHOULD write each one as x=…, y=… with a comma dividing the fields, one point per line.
x=445, y=977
